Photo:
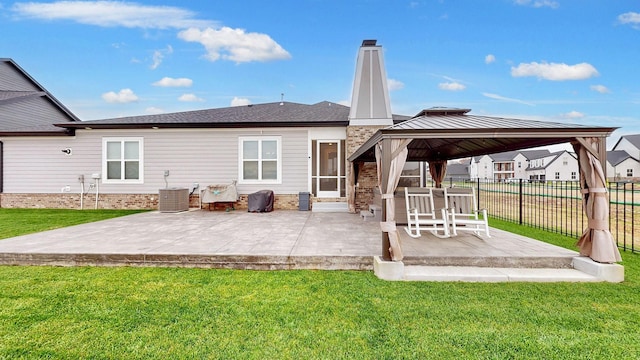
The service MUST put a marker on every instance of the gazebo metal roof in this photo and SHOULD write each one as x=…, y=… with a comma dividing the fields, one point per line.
x=449, y=133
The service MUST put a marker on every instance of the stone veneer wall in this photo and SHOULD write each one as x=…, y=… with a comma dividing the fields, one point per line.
x=123, y=201
x=367, y=176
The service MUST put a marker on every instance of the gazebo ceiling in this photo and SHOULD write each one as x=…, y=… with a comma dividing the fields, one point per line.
x=454, y=135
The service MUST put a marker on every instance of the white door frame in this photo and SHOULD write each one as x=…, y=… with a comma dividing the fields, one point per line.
x=338, y=177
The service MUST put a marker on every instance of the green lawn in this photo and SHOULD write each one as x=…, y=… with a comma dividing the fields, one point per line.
x=14, y=222
x=106, y=313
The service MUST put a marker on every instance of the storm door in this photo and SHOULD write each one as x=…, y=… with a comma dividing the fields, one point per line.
x=328, y=168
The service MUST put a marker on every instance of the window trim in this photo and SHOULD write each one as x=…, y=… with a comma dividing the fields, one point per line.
x=122, y=140
x=260, y=139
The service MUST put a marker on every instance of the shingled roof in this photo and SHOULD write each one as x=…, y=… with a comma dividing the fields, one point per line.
x=615, y=157
x=27, y=108
x=276, y=114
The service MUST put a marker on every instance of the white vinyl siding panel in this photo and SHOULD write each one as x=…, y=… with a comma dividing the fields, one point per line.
x=204, y=156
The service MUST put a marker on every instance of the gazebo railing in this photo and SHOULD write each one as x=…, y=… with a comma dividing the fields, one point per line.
x=556, y=206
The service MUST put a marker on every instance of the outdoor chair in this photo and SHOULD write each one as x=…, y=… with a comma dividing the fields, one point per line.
x=422, y=215
x=464, y=213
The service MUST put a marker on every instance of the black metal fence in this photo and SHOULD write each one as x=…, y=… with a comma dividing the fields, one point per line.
x=556, y=206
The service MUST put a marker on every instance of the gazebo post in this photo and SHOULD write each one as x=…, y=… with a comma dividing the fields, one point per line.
x=384, y=171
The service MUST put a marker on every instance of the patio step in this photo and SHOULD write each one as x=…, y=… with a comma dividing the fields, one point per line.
x=521, y=262
x=332, y=207
x=583, y=269
x=482, y=274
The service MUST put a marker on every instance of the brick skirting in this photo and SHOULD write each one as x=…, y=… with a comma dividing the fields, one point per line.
x=123, y=201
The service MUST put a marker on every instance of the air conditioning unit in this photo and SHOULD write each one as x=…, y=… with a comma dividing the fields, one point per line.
x=173, y=200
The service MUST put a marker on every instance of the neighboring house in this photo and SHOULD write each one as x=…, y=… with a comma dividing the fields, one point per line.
x=481, y=167
x=504, y=166
x=630, y=144
x=623, y=162
x=621, y=166
x=557, y=166
x=459, y=170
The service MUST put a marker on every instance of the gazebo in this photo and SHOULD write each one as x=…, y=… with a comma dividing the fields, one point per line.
x=437, y=135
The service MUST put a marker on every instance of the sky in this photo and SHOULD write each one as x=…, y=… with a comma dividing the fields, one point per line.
x=570, y=61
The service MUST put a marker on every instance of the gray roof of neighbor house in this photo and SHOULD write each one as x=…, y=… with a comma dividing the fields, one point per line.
x=555, y=156
x=528, y=154
x=445, y=133
x=615, y=157
x=27, y=108
x=277, y=114
x=504, y=156
x=458, y=170
x=633, y=139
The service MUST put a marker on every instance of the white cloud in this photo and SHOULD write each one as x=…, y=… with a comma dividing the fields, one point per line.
x=158, y=55
x=502, y=98
x=240, y=101
x=489, y=59
x=554, y=71
x=113, y=13
x=632, y=18
x=600, y=88
x=173, y=82
x=538, y=3
x=395, y=84
x=344, y=102
x=190, y=98
x=123, y=96
x=153, y=110
x=235, y=44
x=451, y=86
x=573, y=115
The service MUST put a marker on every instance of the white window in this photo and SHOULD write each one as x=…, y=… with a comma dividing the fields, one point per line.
x=629, y=172
x=573, y=175
x=122, y=160
x=557, y=176
x=260, y=160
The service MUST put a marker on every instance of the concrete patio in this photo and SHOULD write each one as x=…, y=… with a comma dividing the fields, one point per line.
x=287, y=240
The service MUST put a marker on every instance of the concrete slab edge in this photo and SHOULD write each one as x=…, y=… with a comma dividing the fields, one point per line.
x=388, y=270
x=239, y=262
x=604, y=272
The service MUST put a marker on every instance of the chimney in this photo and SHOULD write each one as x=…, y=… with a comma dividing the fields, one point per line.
x=370, y=103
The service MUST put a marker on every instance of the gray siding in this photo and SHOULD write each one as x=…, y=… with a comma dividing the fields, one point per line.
x=13, y=79
x=33, y=111
x=205, y=156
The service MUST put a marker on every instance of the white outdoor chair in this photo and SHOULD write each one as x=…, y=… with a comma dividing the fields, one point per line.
x=464, y=213
x=421, y=214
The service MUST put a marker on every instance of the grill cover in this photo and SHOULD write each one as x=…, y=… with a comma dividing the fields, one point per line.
x=261, y=201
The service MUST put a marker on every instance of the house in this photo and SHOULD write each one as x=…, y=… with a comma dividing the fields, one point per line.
x=285, y=147
x=624, y=159
x=505, y=165
x=557, y=166
x=481, y=168
x=27, y=110
x=459, y=170
x=621, y=166
x=630, y=144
